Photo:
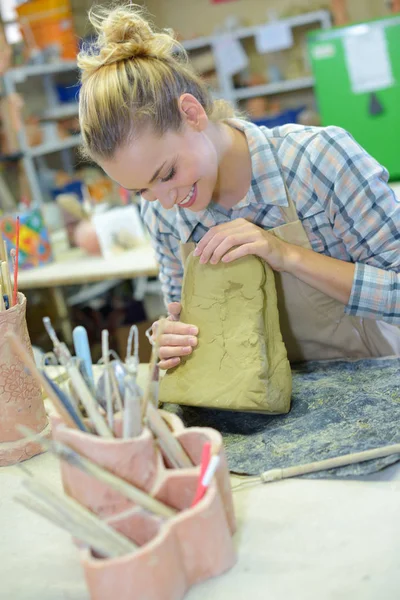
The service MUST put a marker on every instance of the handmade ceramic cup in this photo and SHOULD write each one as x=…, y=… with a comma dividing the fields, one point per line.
x=21, y=400
x=174, y=554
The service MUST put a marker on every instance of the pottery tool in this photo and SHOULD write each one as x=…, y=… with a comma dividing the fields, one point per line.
x=105, y=351
x=118, y=374
x=29, y=363
x=79, y=516
x=55, y=517
x=88, y=401
x=15, y=265
x=132, y=360
x=320, y=465
x=87, y=466
x=60, y=349
x=171, y=447
x=205, y=459
x=5, y=274
x=73, y=411
x=132, y=417
x=207, y=478
x=149, y=390
x=78, y=383
x=82, y=349
x=2, y=305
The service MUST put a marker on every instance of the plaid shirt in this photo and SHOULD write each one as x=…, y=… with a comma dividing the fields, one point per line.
x=342, y=198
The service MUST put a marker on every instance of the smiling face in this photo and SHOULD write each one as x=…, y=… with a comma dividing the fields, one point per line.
x=178, y=168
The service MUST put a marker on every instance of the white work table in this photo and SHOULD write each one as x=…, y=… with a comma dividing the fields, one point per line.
x=296, y=539
x=75, y=267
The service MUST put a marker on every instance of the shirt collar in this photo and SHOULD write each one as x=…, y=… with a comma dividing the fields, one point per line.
x=267, y=184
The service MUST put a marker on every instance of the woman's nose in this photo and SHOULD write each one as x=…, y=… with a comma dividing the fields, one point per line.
x=167, y=198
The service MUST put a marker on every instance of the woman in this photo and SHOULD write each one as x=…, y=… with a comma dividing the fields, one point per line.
x=308, y=201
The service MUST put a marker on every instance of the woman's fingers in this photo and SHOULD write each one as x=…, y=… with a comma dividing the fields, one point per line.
x=169, y=363
x=174, y=351
x=170, y=339
x=174, y=310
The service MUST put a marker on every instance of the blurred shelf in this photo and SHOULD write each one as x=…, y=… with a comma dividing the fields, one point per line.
x=63, y=111
x=19, y=74
x=49, y=147
x=291, y=85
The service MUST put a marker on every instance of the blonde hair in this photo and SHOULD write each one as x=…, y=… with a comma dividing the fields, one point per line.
x=133, y=77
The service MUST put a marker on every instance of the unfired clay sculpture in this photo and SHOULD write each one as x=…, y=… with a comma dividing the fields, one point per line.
x=240, y=362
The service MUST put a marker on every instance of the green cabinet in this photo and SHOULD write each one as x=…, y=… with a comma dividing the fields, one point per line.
x=357, y=85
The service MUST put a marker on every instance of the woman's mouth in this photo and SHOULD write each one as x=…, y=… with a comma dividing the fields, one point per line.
x=190, y=198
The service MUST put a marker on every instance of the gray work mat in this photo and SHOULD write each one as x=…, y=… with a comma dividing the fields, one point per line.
x=338, y=407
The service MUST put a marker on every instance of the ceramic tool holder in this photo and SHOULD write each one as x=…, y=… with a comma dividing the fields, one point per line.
x=21, y=400
x=175, y=553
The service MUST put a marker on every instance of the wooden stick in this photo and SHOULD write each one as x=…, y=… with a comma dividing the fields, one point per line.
x=3, y=255
x=88, y=401
x=329, y=463
x=81, y=516
x=152, y=367
x=16, y=265
x=132, y=418
x=5, y=273
x=105, y=351
x=171, y=446
x=116, y=483
x=29, y=363
x=54, y=517
x=2, y=305
x=128, y=490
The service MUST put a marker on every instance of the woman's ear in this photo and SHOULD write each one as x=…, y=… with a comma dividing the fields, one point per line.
x=192, y=112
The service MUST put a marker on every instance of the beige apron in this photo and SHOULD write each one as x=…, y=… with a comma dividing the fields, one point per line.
x=315, y=326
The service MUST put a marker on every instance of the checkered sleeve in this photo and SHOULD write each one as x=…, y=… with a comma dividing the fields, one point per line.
x=365, y=215
x=165, y=241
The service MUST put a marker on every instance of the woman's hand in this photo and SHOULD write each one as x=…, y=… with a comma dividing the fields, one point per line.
x=177, y=339
x=230, y=241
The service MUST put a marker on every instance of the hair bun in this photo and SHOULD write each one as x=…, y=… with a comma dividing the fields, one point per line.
x=123, y=34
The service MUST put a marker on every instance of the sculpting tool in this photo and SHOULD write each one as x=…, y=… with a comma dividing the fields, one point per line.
x=5, y=273
x=105, y=351
x=15, y=288
x=132, y=361
x=83, y=463
x=207, y=477
x=132, y=420
x=171, y=446
x=320, y=465
x=73, y=411
x=82, y=349
x=205, y=459
x=149, y=390
x=73, y=512
x=2, y=304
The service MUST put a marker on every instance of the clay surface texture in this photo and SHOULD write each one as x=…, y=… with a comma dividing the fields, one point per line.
x=240, y=362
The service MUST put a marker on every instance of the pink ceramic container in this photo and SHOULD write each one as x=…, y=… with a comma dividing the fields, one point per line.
x=174, y=554
x=21, y=400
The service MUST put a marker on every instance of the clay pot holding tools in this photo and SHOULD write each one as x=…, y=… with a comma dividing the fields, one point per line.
x=138, y=461
x=174, y=554
x=21, y=400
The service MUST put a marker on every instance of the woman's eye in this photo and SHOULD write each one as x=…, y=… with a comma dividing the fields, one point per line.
x=170, y=175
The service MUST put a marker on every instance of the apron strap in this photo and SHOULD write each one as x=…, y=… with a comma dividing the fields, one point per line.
x=289, y=212
x=186, y=249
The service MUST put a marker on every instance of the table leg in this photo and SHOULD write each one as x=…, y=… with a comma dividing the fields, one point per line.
x=62, y=313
